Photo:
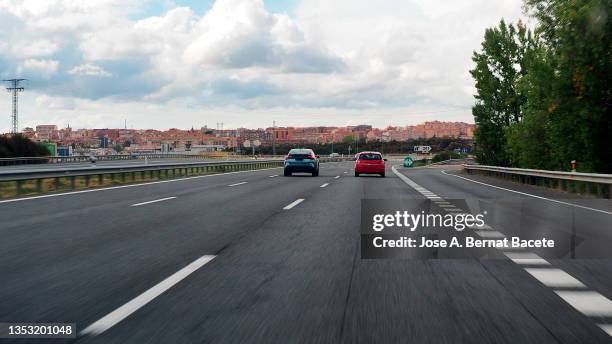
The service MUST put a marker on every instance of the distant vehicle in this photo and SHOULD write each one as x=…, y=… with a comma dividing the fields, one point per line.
x=369, y=163
x=92, y=159
x=301, y=160
x=334, y=155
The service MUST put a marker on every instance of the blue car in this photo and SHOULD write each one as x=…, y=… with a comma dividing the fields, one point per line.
x=301, y=160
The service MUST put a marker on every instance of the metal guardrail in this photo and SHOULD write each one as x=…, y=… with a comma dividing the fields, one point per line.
x=16, y=183
x=600, y=184
x=455, y=161
x=125, y=157
x=116, y=157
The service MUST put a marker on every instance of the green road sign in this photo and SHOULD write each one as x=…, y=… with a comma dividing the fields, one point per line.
x=408, y=162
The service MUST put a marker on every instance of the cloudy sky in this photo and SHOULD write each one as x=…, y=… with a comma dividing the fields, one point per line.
x=162, y=64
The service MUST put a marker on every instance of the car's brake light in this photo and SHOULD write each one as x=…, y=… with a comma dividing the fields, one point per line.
x=288, y=157
x=312, y=156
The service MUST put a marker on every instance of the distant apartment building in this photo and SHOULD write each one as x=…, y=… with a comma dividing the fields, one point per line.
x=253, y=134
x=281, y=134
x=46, y=132
x=29, y=132
x=424, y=131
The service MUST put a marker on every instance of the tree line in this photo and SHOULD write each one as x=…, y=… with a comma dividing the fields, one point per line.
x=17, y=145
x=544, y=91
x=437, y=144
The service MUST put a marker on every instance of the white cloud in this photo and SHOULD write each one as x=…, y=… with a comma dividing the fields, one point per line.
x=44, y=68
x=43, y=101
x=240, y=34
x=89, y=70
x=334, y=57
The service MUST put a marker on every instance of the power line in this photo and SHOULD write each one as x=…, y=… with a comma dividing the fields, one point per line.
x=14, y=87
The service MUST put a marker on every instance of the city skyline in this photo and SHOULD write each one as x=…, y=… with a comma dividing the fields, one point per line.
x=104, y=141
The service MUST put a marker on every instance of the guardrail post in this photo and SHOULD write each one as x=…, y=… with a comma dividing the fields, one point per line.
x=39, y=185
x=18, y=186
x=72, y=182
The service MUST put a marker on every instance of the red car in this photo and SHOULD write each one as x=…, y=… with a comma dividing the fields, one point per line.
x=369, y=163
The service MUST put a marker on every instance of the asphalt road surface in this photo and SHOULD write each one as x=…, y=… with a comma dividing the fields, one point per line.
x=255, y=257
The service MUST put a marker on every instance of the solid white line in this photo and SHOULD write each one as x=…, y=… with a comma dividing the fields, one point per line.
x=555, y=278
x=530, y=195
x=294, y=203
x=324, y=185
x=274, y=175
x=124, y=311
x=129, y=186
x=589, y=303
x=236, y=184
x=526, y=258
x=154, y=201
x=336, y=177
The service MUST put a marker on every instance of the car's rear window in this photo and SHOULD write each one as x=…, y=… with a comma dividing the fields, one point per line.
x=300, y=152
x=370, y=156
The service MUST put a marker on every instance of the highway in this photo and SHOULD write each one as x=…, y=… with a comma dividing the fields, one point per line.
x=255, y=257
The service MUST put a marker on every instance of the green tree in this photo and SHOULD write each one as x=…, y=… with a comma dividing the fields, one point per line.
x=20, y=146
x=348, y=139
x=578, y=35
x=528, y=141
x=499, y=67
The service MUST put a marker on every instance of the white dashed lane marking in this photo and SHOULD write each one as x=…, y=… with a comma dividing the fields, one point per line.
x=607, y=328
x=135, y=304
x=490, y=234
x=294, y=203
x=526, y=258
x=153, y=201
x=236, y=184
x=588, y=302
x=554, y=278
